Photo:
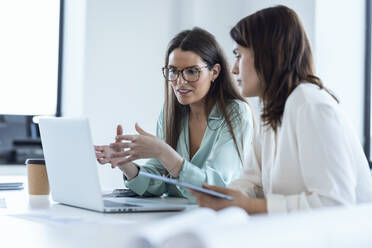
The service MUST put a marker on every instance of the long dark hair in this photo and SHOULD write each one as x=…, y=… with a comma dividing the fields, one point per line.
x=221, y=92
x=282, y=55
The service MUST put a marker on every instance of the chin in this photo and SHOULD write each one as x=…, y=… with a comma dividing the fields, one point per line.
x=188, y=101
x=184, y=101
x=249, y=93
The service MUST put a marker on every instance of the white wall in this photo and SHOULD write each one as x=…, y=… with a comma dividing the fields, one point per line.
x=339, y=54
x=73, y=58
x=114, y=51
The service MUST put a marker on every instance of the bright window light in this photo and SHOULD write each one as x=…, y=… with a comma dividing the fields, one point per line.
x=29, y=56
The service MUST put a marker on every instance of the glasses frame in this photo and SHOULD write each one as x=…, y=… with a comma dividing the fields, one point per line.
x=181, y=71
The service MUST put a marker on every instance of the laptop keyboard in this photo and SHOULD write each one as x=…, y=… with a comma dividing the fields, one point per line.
x=109, y=204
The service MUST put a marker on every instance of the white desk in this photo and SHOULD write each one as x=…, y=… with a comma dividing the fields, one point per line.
x=38, y=221
x=13, y=170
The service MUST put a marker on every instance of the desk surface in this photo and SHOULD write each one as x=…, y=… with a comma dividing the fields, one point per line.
x=14, y=170
x=39, y=220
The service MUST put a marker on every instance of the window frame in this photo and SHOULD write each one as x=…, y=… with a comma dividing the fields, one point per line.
x=60, y=57
x=367, y=85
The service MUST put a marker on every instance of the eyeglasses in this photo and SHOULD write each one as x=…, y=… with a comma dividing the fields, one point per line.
x=189, y=74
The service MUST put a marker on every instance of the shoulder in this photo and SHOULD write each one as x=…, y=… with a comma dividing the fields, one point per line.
x=240, y=113
x=308, y=95
x=238, y=107
x=310, y=105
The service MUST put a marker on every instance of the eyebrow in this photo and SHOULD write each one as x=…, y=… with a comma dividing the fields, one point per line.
x=172, y=66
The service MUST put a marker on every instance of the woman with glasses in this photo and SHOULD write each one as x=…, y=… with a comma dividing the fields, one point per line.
x=203, y=131
x=305, y=154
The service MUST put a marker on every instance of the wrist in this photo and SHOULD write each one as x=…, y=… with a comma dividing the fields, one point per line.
x=177, y=167
x=129, y=170
x=166, y=153
x=163, y=151
x=255, y=206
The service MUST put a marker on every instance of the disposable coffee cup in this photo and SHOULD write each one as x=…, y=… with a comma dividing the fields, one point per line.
x=37, y=177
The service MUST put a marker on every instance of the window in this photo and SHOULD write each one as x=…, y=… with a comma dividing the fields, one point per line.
x=30, y=70
x=29, y=57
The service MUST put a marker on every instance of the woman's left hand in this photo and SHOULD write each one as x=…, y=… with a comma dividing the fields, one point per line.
x=251, y=205
x=141, y=145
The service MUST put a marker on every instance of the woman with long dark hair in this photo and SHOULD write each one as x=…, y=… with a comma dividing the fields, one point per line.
x=203, y=130
x=305, y=154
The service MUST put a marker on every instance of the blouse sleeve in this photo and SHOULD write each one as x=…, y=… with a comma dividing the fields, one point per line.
x=250, y=181
x=144, y=185
x=325, y=160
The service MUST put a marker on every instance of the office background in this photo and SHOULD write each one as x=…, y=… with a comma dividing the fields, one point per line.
x=113, y=52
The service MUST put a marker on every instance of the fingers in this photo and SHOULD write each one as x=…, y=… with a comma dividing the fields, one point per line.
x=99, y=148
x=206, y=201
x=126, y=160
x=103, y=160
x=141, y=131
x=132, y=138
x=99, y=154
x=218, y=189
x=118, y=146
x=121, y=154
x=119, y=130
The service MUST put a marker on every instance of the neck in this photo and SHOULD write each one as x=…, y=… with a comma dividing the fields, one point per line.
x=198, y=110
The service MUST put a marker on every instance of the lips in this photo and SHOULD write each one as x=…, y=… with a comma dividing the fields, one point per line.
x=183, y=91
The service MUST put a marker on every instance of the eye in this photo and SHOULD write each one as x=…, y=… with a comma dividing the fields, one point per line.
x=172, y=71
x=192, y=71
x=237, y=56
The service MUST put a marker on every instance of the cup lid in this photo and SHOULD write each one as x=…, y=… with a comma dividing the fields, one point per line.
x=35, y=161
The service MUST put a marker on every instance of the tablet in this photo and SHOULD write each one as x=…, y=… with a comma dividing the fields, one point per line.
x=186, y=185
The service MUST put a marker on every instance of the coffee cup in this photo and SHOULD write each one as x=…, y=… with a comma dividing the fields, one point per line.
x=37, y=177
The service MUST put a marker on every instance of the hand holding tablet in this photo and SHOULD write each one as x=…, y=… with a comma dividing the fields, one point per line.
x=186, y=185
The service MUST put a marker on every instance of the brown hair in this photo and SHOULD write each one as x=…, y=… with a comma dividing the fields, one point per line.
x=221, y=92
x=282, y=55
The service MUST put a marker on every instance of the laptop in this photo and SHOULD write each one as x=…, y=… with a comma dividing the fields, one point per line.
x=72, y=170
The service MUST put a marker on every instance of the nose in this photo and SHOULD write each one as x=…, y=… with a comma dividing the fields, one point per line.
x=235, y=68
x=180, y=79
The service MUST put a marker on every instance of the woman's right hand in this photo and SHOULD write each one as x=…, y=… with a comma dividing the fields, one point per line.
x=104, y=156
x=104, y=153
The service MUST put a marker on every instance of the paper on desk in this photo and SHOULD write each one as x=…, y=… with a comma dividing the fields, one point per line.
x=53, y=219
x=188, y=229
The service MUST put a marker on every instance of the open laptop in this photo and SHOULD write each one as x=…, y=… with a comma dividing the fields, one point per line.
x=72, y=169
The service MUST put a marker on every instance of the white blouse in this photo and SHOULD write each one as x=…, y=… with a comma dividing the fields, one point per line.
x=318, y=160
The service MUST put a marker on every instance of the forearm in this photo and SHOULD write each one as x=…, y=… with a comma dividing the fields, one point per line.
x=171, y=160
x=130, y=170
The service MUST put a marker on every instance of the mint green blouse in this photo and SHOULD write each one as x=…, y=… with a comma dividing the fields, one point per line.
x=217, y=161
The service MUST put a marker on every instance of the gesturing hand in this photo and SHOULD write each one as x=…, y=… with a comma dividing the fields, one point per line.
x=137, y=146
x=104, y=153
